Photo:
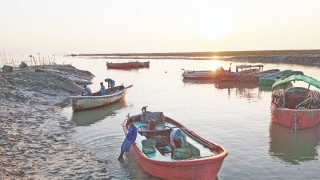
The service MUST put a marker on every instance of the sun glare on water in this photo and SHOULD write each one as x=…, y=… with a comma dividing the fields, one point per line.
x=213, y=65
x=214, y=20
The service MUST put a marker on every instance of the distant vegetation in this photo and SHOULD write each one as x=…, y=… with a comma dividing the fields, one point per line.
x=217, y=53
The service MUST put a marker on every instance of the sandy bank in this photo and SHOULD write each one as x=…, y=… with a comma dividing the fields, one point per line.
x=35, y=138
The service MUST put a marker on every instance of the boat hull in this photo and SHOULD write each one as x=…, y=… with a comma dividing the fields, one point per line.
x=301, y=118
x=88, y=102
x=197, y=168
x=128, y=65
x=202, y=74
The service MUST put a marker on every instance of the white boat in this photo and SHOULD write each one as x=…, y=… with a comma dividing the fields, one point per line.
x=96, y=100
x=205, y=74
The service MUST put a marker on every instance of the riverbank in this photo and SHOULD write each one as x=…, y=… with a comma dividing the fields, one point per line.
x=35, y=139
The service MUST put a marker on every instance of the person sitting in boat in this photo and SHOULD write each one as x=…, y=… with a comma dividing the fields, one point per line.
x=130, y=138
x=111, y=82
x=87, y=91
x=177, y=140
x=102, y=89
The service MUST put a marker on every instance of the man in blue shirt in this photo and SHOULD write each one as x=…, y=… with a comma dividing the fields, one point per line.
x=130, y=138
x=111, y=82
x=102, y=89
x=177, y=139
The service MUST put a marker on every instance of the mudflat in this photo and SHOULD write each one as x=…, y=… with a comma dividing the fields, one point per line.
x=35, y=139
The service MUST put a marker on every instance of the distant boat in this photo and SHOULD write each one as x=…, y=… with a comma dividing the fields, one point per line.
x=296, y=107
x=96, y=100
x=254, y=76
x=271, y=79
x=153, y=152
x=128, y=65
x=204, y=74
x=241, y=70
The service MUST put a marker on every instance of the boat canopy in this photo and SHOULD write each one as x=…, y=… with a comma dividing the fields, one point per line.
x=297, y=77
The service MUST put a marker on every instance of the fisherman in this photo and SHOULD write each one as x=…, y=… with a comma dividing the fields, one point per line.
x=130, y=138
x=87, y=91
x=102, y=89
x=178, y=140
x=111, y=82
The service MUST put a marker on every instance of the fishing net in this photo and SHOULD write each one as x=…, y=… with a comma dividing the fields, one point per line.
x=313, y=101
x=157, y=117
x=278, y=99
x=148, y=145
x=182, y=153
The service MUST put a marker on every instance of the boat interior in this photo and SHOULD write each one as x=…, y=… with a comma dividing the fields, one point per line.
x=299, y=98
x=153, y=139
x=110, y=90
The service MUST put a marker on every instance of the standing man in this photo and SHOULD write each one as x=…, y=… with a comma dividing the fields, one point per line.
x=130, y=138
x=102, y=89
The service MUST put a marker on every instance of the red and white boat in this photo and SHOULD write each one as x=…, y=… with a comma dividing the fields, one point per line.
x=204, y=161
x=296, y=107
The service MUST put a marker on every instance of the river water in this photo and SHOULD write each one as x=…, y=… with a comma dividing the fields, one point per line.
x=236, y=116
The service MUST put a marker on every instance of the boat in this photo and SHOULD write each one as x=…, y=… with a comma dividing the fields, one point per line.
x=96, y=100
x=203, y=74
x=128, y=65
x=271, y=79
x=296, y=107
x=241, y=70
x=255, y=76
x=203, y=162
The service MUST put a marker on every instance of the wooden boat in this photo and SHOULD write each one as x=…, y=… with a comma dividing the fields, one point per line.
x=296, y=107
x=271, y=79
x=241, y=70
x=128, y=65
x=205, y=74
x=255, y=76
x=204, y=162
x=96, y=100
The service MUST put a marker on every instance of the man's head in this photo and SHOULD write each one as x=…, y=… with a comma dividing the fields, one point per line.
x=101, y=83
x=85, y=86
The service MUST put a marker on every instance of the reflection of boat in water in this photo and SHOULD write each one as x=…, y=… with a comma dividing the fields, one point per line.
x=222, y=84
x=85, y=118
x=300, y=146
x=248, y=90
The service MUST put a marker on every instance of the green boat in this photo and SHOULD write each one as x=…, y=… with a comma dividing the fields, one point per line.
x=271, y=79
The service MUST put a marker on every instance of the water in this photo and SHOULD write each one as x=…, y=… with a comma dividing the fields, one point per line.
x=234, y=116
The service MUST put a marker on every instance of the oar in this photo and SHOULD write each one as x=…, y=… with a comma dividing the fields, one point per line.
x=129, y=86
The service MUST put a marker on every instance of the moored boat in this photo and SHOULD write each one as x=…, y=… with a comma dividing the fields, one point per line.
x=127, y=65
x=272, y=78
x=296, y=107
x=241, y=72
x=204, y=74
x=96, y=100
x=254, y=77
x=204, y=160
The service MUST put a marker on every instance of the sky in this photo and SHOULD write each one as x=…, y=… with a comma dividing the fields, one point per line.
x=143, y=26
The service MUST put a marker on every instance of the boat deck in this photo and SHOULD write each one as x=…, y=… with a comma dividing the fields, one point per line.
x=167, y=156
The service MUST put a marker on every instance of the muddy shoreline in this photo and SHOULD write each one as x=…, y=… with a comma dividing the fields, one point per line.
x=35, y=139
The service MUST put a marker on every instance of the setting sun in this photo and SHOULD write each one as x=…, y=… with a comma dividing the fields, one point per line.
x=214, y=20
x=213, y=65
